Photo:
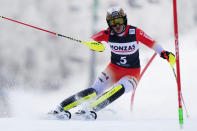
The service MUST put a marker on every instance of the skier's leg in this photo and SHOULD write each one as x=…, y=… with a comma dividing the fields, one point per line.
x=102, y=82
x=61, y=112
x=124, y=85
x=97, y=88
x=77, y=99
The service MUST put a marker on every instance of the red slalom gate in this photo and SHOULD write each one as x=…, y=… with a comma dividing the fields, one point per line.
x=180, y=110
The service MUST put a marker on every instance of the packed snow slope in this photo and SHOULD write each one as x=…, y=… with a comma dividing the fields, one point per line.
x=155, y=105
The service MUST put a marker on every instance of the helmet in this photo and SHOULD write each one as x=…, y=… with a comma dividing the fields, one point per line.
x=114, y=13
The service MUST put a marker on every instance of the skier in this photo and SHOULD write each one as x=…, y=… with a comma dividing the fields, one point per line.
x=121, y=74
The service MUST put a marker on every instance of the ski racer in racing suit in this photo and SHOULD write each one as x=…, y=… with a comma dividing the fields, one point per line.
x=122, y=73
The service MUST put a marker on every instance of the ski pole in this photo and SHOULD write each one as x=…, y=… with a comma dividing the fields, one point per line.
x=181, y=95
x=93, y=45
x=172, y=61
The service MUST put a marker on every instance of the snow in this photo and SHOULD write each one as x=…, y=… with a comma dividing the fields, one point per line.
x=33, y=60
x=135, y=125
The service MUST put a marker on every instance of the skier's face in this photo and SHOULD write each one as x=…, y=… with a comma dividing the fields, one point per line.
x=118, y=28
x=117, y=25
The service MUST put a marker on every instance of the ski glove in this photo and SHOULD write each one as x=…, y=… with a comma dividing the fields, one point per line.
x=169, y=56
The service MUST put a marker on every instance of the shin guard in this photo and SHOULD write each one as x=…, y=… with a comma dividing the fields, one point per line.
x=108, y=98
x=78, y=98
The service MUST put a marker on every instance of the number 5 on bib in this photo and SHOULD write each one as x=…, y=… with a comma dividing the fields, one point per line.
x=123, y=60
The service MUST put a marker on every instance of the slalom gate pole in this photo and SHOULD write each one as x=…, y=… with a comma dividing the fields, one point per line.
x=187, y=113
x=94, y=45
x=180, y=110
x=141, y=74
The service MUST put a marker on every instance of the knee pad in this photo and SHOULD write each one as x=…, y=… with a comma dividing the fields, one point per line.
x=101, y=83
x=129, y=83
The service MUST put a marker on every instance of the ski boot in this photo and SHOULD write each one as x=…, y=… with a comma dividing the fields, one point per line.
x=59, y=113
x=88, y=115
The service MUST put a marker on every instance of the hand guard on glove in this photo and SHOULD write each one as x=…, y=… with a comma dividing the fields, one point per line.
x=95, y=45
x=169, y=56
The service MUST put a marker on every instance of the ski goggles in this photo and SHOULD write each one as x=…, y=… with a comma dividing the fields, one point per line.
x=116, y=21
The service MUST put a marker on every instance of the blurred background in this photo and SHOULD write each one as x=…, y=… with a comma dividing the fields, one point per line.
x=34, y=60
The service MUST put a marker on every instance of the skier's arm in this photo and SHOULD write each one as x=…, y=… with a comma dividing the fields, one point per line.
x=97, y=38
x=148, y=41
x=95, y=44
x=142, y=37
x=101, y=36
